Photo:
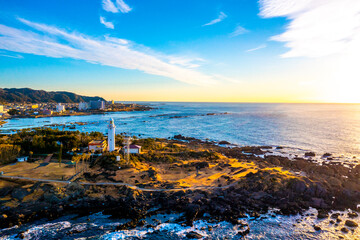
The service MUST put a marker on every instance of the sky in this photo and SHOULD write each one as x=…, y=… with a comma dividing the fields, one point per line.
x=193, y=51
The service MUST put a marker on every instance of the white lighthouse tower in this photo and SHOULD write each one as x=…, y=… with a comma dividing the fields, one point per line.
x=111, y=136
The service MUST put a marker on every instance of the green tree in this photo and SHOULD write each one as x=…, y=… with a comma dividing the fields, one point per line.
x=60, y=154
x=8, y=153
x=13, y=112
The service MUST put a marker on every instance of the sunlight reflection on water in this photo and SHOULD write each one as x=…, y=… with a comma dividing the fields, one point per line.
x=333, y=128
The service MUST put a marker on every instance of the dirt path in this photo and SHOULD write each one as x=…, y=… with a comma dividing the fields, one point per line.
x=48, y=158
x=119, y=184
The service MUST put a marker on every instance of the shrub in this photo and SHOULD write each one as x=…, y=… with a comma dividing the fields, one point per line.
x=8, y=153
x=106, y=161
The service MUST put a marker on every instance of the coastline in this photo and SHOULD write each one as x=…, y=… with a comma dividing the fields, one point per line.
x=291, y=186
x=99, y=112
x=244, y=125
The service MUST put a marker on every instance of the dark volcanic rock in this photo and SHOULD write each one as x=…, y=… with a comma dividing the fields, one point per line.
x=19, y=193
x=5, y=191
x=51, y=198
x=299, y=186
x=191, y=213
x=244, y=233
x=75, y=189
x=351, y=223
x=194, y=235
x=127, y=226
x=200, y=165
x=325, y=155
x=181, y=137
x=352, y=215
x=161, y=235
x=322, y=214
x=317, y=228
x=152, y=174
x=309, y=154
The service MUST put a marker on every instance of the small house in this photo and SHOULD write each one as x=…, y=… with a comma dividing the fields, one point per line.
x=133, y=149
x=22, y=158
x=97, y=145
x=47, y=112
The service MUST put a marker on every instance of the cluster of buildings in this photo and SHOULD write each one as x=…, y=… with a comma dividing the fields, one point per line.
x=49, y=108
x=92, y=105
x=83, y=106
x=26, y=109
x=2, y=112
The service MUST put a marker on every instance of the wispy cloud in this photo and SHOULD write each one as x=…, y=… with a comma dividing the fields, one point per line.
x=317, y=27
x=122, y=6
x=220, y=18
x=326, y=29
x=256, y=48
x=186, y=62
x=105, y=23
x=53, y=42
x=109, y=6
x=239, y=30
x=115, y=7
x=11, y=56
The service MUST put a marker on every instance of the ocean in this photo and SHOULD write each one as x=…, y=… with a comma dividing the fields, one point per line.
x=322, y=128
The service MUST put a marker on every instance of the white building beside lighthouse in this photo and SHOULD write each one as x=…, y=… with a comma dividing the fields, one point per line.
x=111, y=136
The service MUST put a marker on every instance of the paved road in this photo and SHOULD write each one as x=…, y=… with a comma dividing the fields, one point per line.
x=119, y=184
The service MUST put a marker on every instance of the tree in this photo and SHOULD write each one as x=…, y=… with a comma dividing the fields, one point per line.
x=60, y=154
x=8, y=153
x=13, y=112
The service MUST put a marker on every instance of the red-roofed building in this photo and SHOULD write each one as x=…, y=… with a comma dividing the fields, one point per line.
x=97, y=145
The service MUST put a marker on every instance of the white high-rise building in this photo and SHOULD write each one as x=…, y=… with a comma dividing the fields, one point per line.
x=111, y=136
x=60, y=108
x=83, y=106
x=97, y=105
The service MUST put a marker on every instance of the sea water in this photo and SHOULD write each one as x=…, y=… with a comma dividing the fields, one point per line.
x=267, y=226
x=332, y=128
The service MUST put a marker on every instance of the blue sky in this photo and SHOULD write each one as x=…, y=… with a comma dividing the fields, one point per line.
x=169, y=50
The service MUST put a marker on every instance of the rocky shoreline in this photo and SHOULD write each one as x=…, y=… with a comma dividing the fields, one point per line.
x=327, y=187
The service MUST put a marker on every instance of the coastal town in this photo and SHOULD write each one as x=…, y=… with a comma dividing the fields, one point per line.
x=36, y=110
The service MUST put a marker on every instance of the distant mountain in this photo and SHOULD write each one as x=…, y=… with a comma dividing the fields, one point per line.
x=28, y=95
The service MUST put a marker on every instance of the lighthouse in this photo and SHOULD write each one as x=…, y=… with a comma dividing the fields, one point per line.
x=111, y=136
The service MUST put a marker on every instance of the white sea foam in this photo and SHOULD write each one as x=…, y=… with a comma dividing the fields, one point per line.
x=267, y=226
